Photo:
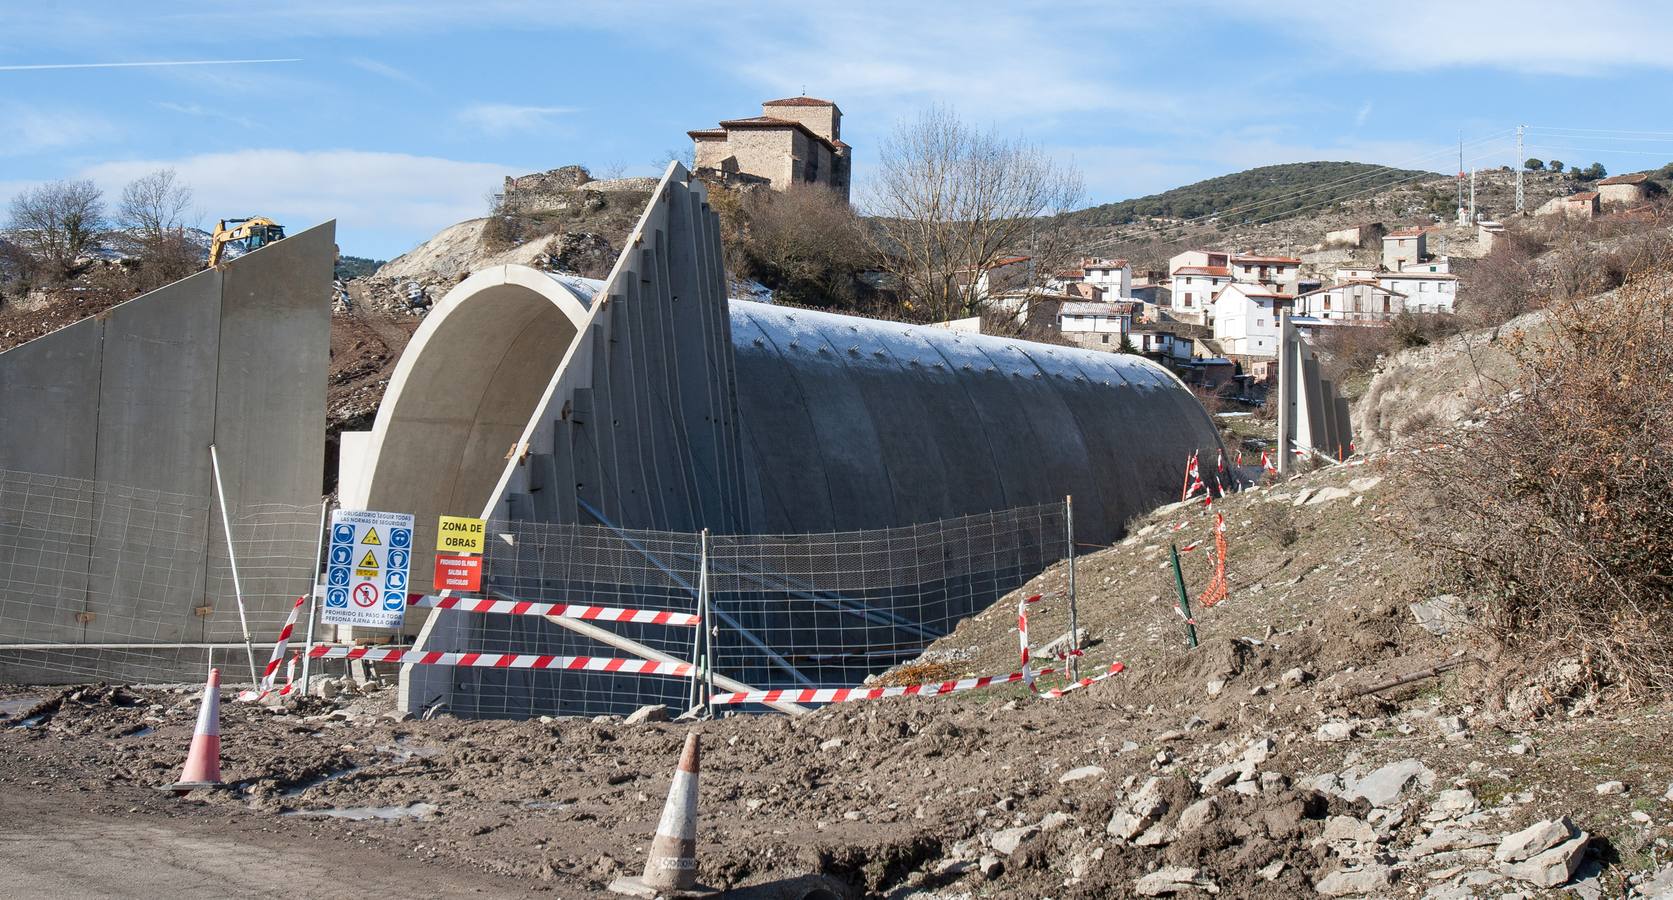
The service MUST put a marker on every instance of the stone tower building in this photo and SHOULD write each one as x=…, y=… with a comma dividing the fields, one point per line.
x=797, y=140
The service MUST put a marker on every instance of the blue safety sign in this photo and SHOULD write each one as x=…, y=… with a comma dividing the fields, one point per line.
x=370, y=559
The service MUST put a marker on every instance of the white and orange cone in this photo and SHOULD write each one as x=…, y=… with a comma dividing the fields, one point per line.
x=671, y=869
x=203, y=761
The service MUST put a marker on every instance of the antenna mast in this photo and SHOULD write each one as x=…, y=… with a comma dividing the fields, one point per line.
x=1517, y=163
x=1460, y=207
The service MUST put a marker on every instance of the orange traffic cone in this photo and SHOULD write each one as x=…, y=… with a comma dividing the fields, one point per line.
x=671, y=870
x=203, y=761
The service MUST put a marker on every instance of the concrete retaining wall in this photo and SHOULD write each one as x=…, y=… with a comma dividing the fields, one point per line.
x=127, y=404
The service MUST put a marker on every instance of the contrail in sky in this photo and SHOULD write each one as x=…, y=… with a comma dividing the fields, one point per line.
x=144, y=65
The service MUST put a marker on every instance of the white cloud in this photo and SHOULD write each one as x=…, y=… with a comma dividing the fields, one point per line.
x=1531, y=36
x=199, y=111
x=385, y=203
x=1363, y=114
x=501, y=119
x=29, y=130
x=997, y=63
x=386, y=70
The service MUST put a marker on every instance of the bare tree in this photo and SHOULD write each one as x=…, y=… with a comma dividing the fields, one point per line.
x=949, y=199
x=686, y=157
x=806, y=243
x=154, y=210
x=56, y=222
x=155, y=205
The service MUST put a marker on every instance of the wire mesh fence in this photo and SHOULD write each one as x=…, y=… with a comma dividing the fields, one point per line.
x=107, y=582
x=782, y=611
x=113, y=582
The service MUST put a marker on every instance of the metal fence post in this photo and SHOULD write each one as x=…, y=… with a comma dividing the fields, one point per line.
x=1184, y=598
x=702, y=622
x=706, y=626
x=232, y=560
x=1287, y=374
x=313, y=596
x=1074, y=607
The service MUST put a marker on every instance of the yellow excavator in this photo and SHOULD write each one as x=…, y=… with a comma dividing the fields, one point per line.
x=255, y=232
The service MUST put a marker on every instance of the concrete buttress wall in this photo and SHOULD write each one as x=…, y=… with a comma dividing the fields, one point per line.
x=126, y=405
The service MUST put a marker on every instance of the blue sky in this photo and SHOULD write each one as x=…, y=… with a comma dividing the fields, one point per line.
x=402, y=116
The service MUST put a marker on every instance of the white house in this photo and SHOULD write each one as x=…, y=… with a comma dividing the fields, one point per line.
x=1095, y=324
x=1360, y=302
x=1277, y=274
x=1164, y=346
x=1408, y=245
x=1194, y=288
x=1192, y=258
x=1442, y=264
x=1358, y=273
x=1246, y=319
x=1425, y=292
x=1115, y=276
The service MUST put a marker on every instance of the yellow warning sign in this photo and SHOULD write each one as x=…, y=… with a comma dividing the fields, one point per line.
x=459, y=534
x=371, y=538
x=370, y=562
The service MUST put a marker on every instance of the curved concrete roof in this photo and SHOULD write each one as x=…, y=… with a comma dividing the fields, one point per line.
x=854, y=423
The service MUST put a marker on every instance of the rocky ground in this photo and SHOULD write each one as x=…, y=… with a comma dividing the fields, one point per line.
x=1273, y=759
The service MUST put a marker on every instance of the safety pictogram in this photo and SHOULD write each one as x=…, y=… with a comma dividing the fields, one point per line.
x=369, y=559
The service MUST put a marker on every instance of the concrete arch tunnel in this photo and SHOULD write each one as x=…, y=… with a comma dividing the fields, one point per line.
x=649, y=400
x=464, y=390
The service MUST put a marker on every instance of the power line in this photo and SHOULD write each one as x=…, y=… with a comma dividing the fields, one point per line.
x=1659, y=155
x=1597, y=130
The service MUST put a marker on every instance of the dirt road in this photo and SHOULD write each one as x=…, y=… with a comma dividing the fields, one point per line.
x=103, y=848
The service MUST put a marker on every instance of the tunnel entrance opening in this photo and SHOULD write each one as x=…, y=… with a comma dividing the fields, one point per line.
x=463, y=393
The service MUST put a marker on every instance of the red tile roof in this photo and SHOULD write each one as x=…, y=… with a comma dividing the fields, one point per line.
x=1008, y=261
x=775, y=122
x=799, y=101
x=1584, y=196
x=706, y=133
x=1639, y=178
x=1216, y=271
x=759, y=122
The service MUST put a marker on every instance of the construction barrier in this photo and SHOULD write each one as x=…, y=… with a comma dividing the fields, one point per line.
x=560, y=610
x=848, y=695
x=270, y=673
x=1114, y=670
x=507, y=661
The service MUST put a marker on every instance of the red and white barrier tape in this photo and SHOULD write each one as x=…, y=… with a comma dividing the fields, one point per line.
x=508, y=661
x=847, y=695
x=290, y=683
x=270, y=674
x=1022, y=635
x=1112, y=671
x=561, y=610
